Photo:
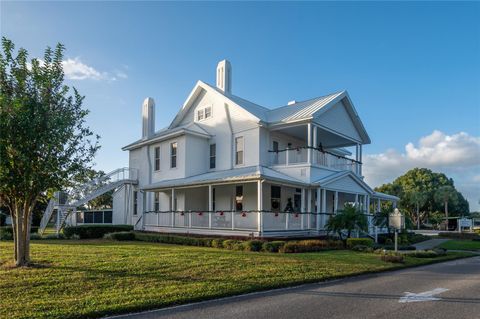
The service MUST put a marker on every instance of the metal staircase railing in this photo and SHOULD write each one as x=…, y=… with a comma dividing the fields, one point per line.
x=47, y=215
x=85, y=193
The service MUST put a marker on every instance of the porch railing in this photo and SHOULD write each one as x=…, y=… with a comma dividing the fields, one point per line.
x=237, y=220
x=299, y=155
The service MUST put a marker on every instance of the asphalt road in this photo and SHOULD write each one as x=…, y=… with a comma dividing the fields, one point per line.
x=446, y=290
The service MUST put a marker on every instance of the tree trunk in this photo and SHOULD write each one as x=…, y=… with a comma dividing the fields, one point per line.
x=418, y=216
x=22, y=234
x=446, y=214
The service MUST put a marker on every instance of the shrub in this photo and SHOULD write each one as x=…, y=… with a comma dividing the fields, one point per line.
x=35, y=236
x=6, y=232
x=253, y=245
x=230, y=243
x=470, y=236
x=400, y=247
x=120, y=236
x=388, y=241
x=173, y=239
x=313, y=245
x=94, y=231
x=362, y=248
x=273, y=246
x=392, y=258
x=217, y=243
x=428, y=253
x=351, y=242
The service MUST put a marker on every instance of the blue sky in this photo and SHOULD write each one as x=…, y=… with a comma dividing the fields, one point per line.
x=412, y=69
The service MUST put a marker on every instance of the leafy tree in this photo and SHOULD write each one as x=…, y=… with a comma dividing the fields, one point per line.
x=44, y=141
x=444, y=195
x=349, y=219
x=426, y=182
x=381, y=217
x=417, y=199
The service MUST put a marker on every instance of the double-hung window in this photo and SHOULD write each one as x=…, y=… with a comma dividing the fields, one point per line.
x=213, y=155
x=157, y=202
x=157, y=158
x=239, y=150
x=173, y=154
x=135, y=202
x=208, y=112
x=200, y=115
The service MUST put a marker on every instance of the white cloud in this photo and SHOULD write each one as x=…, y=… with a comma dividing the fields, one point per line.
x=75, y=69
x=457, y=155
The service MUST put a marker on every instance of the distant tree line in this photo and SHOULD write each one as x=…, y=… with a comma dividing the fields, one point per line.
x=426, y=196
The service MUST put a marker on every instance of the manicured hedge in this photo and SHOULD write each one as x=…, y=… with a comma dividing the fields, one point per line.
x=313, y=245
x=6, y=232
x=351, y=242
x=273, y=246
x=94, y=231
x=471, y=236
x=120, y=236
x=176, y=240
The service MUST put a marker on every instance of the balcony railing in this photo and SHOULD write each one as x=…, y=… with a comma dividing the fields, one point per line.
x=299, y=155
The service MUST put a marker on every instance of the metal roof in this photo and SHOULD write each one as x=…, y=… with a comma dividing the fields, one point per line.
x=231, y=175
x=300, y=110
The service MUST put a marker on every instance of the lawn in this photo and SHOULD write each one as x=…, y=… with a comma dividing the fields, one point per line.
x=88, y=279
x=461, y=245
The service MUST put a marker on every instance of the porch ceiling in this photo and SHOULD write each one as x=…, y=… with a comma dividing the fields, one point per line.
x=327, y=138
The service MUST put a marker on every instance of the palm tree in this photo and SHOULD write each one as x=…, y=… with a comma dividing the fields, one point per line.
x=444, y=195
x=349, y=219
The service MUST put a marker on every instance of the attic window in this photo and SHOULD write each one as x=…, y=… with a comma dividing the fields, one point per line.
x=208, y=112
x=204, y=113
x=200, y=115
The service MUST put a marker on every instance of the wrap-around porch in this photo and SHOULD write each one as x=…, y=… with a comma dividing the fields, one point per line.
x=255, y=208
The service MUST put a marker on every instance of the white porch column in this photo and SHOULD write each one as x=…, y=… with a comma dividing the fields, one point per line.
x=260, y=206
x=324, y=207
x=319, y=209
x=379, y=206
x=335, y=203
x=315, y=144
x=360, y=160
x=302, y=208
x=210, y=206
x=309, y=143
x=367, y=203
x=356, y=200
x=173, y=208
x=309, y=207
x=357, y=158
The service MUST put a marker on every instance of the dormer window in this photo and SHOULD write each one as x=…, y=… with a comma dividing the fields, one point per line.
x=204, y=113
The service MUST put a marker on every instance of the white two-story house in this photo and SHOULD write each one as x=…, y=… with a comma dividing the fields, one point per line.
x=228, y=166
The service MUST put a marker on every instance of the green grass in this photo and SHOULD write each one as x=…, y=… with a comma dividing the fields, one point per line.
x=461, y=245
x=87, y=279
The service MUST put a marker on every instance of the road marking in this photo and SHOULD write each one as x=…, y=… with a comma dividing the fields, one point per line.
x=422, y=296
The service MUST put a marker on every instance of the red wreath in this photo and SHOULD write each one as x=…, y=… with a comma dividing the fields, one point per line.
x=244, y=214
x=296, y=214
x=200, y=213
x=221, y=213
x=182, y=213
x=276, y=214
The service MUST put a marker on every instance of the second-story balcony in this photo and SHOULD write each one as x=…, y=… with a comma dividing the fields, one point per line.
x=319, y=157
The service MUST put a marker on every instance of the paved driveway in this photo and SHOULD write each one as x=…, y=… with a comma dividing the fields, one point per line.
x=446, y=290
